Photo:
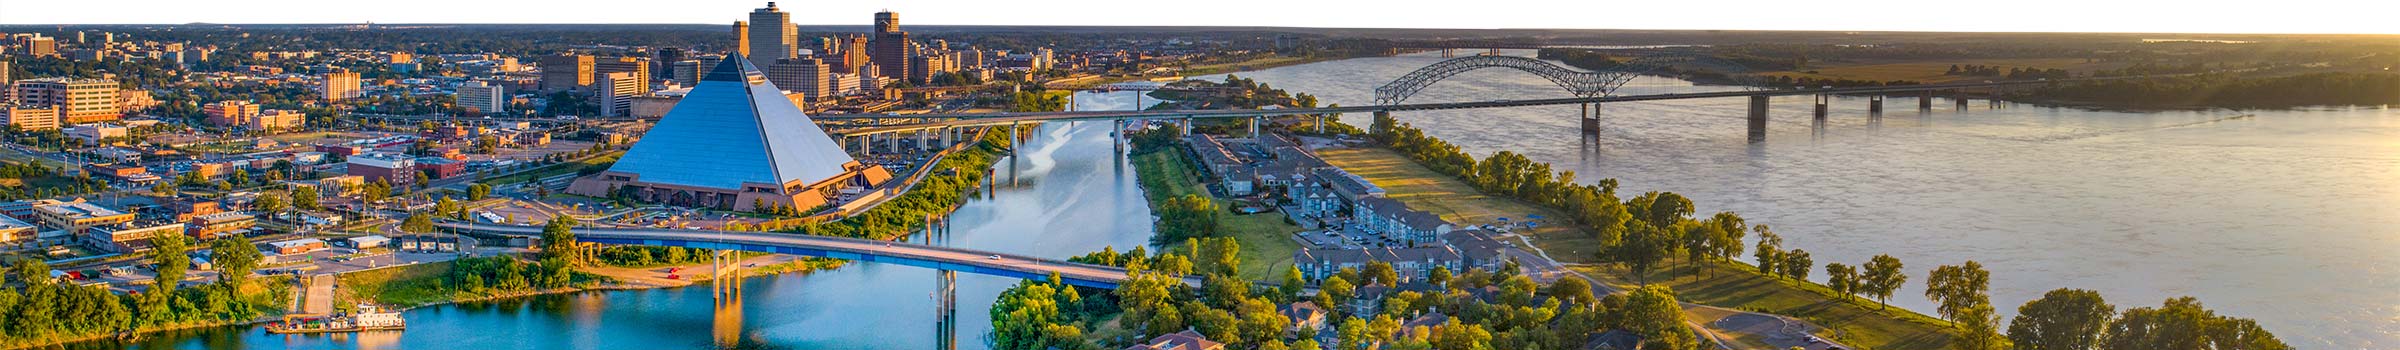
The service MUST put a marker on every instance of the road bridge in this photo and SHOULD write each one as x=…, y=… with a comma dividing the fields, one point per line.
x=898, y=253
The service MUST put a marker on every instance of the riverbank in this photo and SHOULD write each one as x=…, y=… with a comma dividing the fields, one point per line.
x=1265, y=238
x=268, y=287
x=1732, y=285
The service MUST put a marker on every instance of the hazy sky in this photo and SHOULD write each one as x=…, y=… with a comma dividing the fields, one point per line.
x=2197, y=16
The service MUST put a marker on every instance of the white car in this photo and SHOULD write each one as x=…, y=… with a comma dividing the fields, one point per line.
x=995, y=257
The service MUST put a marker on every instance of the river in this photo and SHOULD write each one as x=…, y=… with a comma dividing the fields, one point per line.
x=2290, y=217
x=1072, y=195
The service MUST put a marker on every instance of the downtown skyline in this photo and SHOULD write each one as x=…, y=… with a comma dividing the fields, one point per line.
x=2291, y=17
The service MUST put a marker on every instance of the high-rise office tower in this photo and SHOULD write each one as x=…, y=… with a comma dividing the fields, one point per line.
x=7, y=93
x=483, y=97
x=854, y=53
x=639, y=67
x=665, y=60
x=41, y=46
x=806, y=76
x=615, y=93
x=891, y=45
x=339, y=86
x=77, y=100
x=566, y=72
x=741, y=38
x=772, y=35
x=685, y=72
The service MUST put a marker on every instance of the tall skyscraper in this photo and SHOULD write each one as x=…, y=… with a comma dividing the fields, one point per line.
x=77, y=100
x=339, y=86
x=806, y=76
x=639, y=67
x=483, y=97
x=741, y=38
x=41, y=46
x=8, y=95
x=854, y=53
x=566, y=73
x=615, y=93
x=685, y=72
x=665, y=60
x=891, y=45
x=772, y=35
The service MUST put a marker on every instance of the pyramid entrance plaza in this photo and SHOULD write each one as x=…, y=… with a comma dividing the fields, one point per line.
x=735, y=142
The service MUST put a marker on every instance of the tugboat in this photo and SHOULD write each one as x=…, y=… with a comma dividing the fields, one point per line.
x=368, y=318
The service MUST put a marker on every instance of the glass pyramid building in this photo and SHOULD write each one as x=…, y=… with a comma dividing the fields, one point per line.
x=734, y=142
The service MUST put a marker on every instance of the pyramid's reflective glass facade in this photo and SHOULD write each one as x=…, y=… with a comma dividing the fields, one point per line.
x=734, y=128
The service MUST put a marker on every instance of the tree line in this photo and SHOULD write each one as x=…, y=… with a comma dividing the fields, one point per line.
x=2227, y=90
x=1642, y=232
x=42, y=310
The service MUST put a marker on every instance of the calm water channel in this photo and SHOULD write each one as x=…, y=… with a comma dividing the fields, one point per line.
x=1072, y=196
x=2290, y=217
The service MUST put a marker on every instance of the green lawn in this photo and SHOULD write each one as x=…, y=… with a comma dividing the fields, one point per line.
x=1858, y=321
x=1730, y=285
x=556, y=169
x=1266, y=240
x=406, y=286
x=1404, y=180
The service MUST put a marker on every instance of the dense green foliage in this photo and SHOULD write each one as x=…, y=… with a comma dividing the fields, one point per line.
x=40, y=310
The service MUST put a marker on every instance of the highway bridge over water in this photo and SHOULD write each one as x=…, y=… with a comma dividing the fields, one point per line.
x=854, y=249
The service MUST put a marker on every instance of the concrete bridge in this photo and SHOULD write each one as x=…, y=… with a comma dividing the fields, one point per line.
x=898, y=253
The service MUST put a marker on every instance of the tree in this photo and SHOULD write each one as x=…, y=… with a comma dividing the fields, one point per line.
x=2182, y=323
x=1958, y=288
x=1439, y=277
x=1842, y=278
x=2063, y=319
x=1572, y=291
x=163, y=189
x=271, y=203
x=1352, y=333
x=1334, y=292
x=1641, y=249
x=477, y=192
x=1380, y=272
x=304, y=198
x=1462, y=336
x=418, y=223
x=558, y=239
x=1796, y=265
x=1884, y=275
x=1979, y=329
x=234, y=257
x=1769, y=252
x=1292, y=284
x=1653, y=313
x=171, y=253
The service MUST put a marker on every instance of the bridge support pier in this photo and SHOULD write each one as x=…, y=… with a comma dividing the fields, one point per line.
x=1320, y=124
x=1822, y=102
x=866, y=145
x=1187, y=127
x=1925, y=100
x=726, y=285
x=892, y=143
x=1875, y=105
x=1254, y=125
x=1758, y=118
x=1590, y=116
x=1379, y=115
x=1961, y=96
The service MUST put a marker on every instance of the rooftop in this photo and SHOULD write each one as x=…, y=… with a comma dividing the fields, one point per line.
x=734, y=128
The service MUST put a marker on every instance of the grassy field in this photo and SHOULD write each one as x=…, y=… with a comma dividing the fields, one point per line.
x=1423, y=189
x=1730, y=285
x=405, y=286
x=556, y=169
x=1859, y=322
x=1266, y=240
x=1931, y=71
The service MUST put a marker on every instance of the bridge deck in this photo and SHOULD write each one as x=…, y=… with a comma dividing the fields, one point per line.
x=934, y=257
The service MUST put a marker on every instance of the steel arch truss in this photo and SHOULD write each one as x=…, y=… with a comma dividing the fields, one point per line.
x=1581, y=83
